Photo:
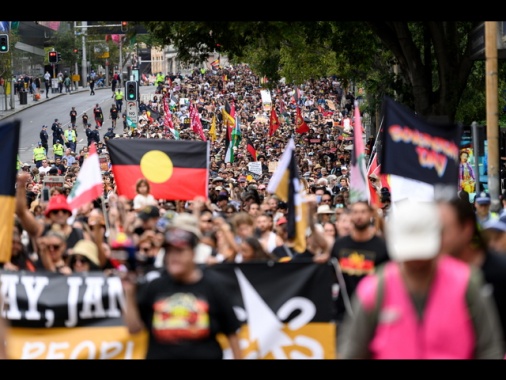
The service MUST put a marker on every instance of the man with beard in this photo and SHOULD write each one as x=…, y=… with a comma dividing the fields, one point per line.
x=358, y=254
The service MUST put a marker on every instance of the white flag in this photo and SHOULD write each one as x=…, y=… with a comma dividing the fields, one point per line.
x=88, y=185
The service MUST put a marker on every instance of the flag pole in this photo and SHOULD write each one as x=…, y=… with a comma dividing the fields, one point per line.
x=106, y=216
x=374, y=147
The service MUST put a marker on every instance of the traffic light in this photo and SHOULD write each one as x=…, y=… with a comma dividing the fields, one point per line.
x=124, y=26
x=76, y=51
x=58, y=57
x=53, y=57
x=4, y=43
x=131, y=90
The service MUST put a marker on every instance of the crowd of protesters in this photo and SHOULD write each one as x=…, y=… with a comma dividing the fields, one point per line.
x=241, y=222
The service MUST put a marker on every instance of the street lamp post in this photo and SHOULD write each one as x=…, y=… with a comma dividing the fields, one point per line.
x=83, y=67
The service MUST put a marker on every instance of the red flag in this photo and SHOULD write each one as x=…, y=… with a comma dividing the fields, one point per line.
x=358, y=175
x=300, y=124
x=195, y=122
x=274, y=122
x=251, y=149
x=282, y=106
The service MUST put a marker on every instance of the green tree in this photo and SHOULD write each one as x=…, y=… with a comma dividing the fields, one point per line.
x=433, y=58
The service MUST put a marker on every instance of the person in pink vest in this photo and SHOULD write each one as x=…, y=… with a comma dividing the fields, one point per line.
x=421, y=304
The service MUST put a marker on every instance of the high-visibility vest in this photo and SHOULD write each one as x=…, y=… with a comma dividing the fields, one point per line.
x=70, y=135
x=58, y=149
x=39, y=154
x=118, y=95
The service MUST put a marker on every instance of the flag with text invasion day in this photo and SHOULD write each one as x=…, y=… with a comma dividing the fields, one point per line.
x=9, y=145
x=416, y=149
x=286, y=185
x=175, y=170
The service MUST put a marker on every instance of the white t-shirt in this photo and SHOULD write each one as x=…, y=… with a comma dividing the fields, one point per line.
x=141, y=201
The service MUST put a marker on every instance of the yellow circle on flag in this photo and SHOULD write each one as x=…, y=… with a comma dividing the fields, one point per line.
x=156, y=166
x=249, y=177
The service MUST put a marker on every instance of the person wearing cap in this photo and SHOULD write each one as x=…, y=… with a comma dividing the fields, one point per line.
x=317, y=249
x=463, y=239
x=58, y=149
x=39, y=154
x=70, y=138
x=185, y=308
x=57, y=213
x=482, y=202
x=147, y=219
x=44, y=138
x=421, y=304
x=359, y=253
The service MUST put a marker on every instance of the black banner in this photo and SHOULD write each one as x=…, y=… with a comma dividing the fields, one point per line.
x=413, y=148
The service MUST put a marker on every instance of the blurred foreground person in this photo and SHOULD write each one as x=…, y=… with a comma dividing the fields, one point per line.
x=421, y=304
x=464, y=239
x=185, y=308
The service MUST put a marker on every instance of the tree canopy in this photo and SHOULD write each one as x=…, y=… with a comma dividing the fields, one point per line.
x=425, y=65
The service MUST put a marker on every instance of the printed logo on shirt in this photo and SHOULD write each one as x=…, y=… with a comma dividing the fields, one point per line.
x=357, y=263
x=180, y=317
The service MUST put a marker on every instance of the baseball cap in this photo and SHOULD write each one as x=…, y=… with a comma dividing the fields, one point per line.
x=483, y=198
x=180, y=238
x=413, y=231
x=186, y=222
x=149, y=212
x=495, y=224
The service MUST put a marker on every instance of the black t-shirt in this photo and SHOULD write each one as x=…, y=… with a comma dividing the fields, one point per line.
x=356, y=260
x=183, y=319
x=114, y=113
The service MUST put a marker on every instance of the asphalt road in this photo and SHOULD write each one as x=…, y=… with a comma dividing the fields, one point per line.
x=34, y=114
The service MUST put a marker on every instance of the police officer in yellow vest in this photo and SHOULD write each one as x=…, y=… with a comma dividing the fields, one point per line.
x=118, y=98
x=58, y=149
x=39, y=154
x=70, y=138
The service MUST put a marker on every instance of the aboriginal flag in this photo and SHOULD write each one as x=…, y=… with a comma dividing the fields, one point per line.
x=251, y=149
x=9, y=145
x=175, y=170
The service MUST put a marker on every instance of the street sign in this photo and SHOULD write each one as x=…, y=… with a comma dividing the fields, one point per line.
x=132, y=114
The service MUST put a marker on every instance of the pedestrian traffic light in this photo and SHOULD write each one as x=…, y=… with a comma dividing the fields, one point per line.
x=76, y=51
x=124, y=26
x=53, y=57
x=131, y=90
x=58, y=57
x=4, y=43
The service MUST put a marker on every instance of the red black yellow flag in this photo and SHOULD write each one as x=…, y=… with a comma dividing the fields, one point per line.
x=175, y=170
x=9, y=145
x=300, y=124
x=251, y=149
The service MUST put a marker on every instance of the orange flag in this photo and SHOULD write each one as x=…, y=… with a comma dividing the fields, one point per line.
x=274, y=122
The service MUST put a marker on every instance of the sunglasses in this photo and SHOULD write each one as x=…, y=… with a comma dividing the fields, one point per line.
x=58, y=211
x=54, y=246
x=79, y=259
x=206, y=220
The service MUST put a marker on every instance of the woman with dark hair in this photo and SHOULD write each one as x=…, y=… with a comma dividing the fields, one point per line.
x=251, y=250
x=20, y=257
